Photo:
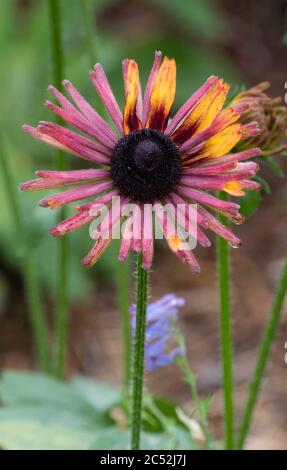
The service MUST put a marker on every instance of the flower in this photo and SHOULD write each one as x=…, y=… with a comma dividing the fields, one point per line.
x=271, y=117
x=161, y=318
x=147, y=158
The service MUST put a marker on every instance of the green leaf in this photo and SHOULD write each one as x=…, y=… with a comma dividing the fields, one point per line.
x=265, y=185
x=249, y=203
x=26, y=434
x=81, y=395
x=40, y=412
x=99, y=394
x=47, y=414
x=114, y=439
x=275, y=167
x=28, y=387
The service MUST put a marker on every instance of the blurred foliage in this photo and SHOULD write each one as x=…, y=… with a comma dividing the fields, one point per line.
x=249, y=203
x=201, y=17
x=42, y=413
x=187, y=30
x=275, y=166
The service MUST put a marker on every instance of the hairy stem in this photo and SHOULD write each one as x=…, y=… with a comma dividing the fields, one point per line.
x=262, y=357
x=90, y=32
x=61, y=326
x=191, y=379
x=225, y=328
x=138, y=354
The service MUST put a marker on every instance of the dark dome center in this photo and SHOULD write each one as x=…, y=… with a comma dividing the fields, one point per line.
x=146, y=165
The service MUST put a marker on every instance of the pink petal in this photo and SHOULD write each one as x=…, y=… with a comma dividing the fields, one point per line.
x=77, y=120
x=126, y=240
x=218, y=181
x=219, y=228
x=249, y=130
x=108, y=137
x=58, y=179
x=226, y=207
x=183, y=219
x=202, y=170
x=233, y=157
x=188, y=257
x=89, y=112
x=95, y=253
x=44, y=138
x=147, y=242
x=73, y=145
x=251, y=185
x=102, y=85
x=78, y=137
x=72, y=223
x=104, y=199
x=109, y=220
x=137, y=230
x=66, y=197
x=74, y=175
x=176, y=199
x=185, y=255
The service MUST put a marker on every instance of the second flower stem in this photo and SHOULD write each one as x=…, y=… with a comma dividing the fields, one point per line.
x=226, y=343
x=263, y=355
x=61, y=323
x=138, y=354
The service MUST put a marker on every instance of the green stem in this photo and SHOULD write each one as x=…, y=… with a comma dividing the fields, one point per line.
x=92, y=47
x=138, y=355
x=122, y=271
x=37, y=314
x=61, y=323
x=61, y=327
x=262, y=357
x=89, y=32
x=191, y=379
x=56, y=42
x=226, y=348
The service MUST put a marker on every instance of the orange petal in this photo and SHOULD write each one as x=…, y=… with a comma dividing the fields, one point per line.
x=235, y=188
x=175, y=243
x=214, y=107
x=203, y=115
x=131, y=78
x=162, y=95
x=221, y=143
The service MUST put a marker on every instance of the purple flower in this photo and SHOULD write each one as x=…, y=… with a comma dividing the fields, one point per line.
x=161, y=318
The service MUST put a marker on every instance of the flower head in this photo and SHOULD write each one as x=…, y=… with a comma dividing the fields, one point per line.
x=161, y=318
x=270, y=115
x=148, y=158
